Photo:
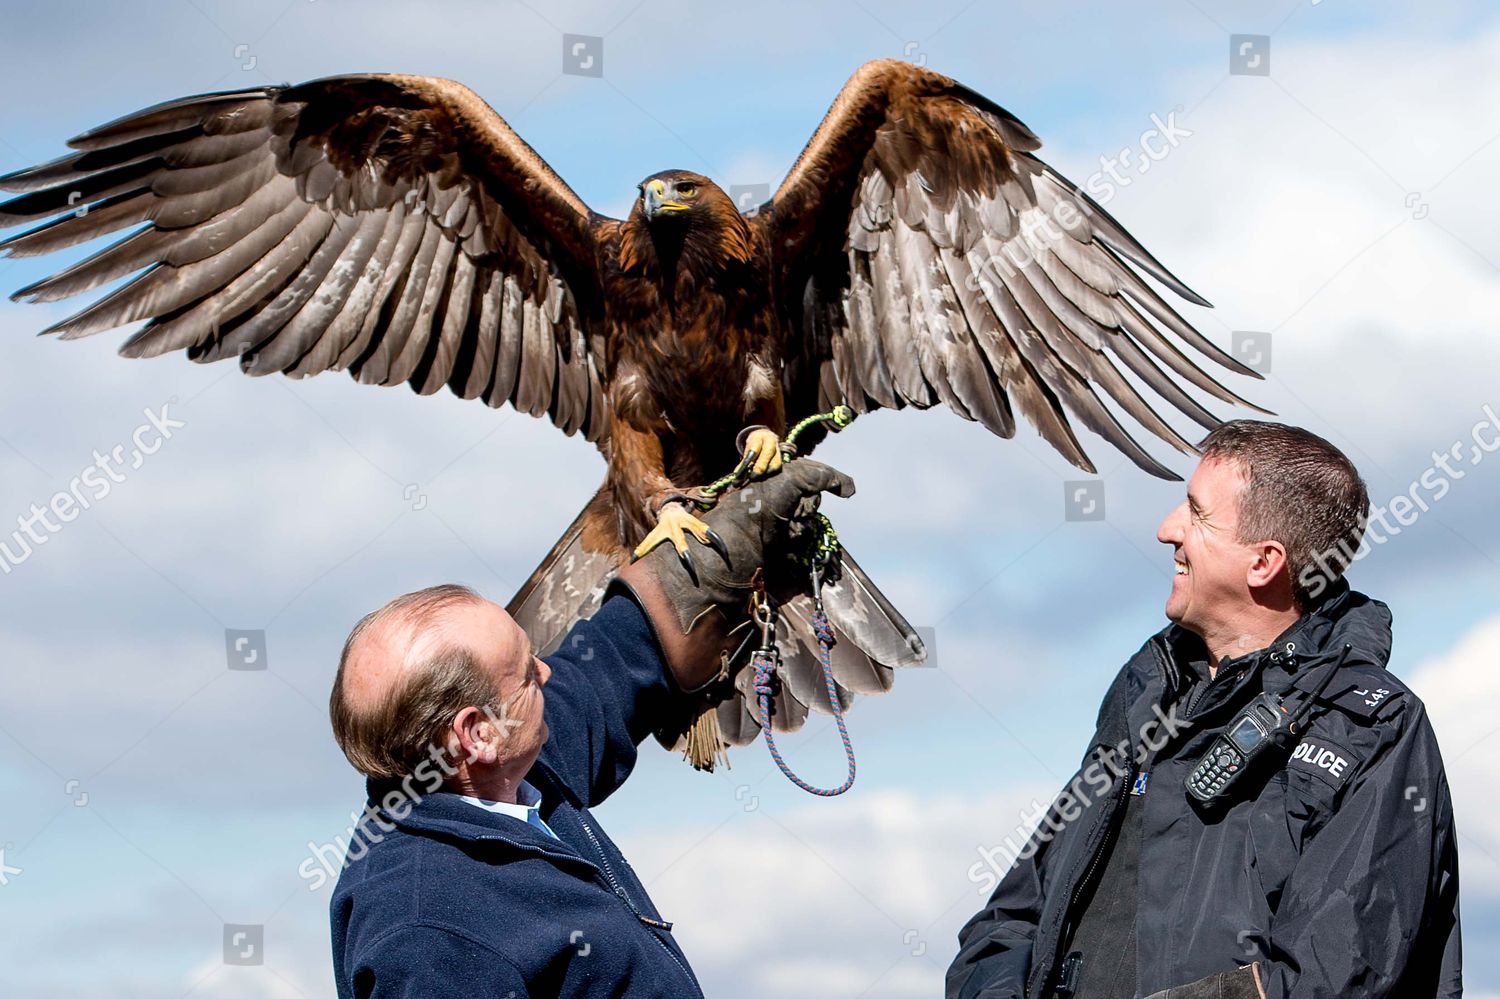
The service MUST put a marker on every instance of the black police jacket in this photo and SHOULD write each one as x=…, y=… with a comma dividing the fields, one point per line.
x=1336, y=868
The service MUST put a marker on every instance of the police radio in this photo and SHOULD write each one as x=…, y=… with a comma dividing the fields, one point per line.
x=1265, y=730
x=1264, y=727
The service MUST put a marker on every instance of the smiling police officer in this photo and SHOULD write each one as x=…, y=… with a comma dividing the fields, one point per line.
x=1289, y=835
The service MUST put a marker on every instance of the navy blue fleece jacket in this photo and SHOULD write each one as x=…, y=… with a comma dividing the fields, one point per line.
x=455, y=900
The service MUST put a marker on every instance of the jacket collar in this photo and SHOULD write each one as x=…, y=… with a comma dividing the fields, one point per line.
x=1341, y=616
x=445, y=815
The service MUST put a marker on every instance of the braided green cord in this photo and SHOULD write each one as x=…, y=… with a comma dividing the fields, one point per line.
x=717, y=486
x=839, y=416
x=825, y=545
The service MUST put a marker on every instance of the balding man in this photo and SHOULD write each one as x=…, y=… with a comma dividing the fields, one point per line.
x=478, y=869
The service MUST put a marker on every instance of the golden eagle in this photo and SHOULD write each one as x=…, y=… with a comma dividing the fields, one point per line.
x=396, y=227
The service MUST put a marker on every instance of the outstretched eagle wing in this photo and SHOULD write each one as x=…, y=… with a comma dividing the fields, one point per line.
x=391, y=226
x=928, y=257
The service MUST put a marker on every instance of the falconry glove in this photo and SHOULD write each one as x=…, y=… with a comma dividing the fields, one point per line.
x=700, y=615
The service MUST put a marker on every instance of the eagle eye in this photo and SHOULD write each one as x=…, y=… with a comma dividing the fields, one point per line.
x=688, y=188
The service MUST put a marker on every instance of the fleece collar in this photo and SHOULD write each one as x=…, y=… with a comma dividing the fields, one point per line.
x=445, y=815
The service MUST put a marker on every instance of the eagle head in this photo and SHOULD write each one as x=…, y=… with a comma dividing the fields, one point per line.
x=691, y=219
x=678, y=197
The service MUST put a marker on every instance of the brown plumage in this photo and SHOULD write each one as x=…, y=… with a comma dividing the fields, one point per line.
x=396, y=227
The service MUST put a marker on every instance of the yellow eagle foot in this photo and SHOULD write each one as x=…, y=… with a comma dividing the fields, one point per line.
x=674, y=524
x=762, y=453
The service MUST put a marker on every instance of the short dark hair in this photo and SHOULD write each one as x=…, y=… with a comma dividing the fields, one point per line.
x=1299, y=490
x=398, y=734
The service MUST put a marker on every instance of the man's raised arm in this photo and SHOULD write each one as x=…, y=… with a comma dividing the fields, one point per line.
x=663, y=627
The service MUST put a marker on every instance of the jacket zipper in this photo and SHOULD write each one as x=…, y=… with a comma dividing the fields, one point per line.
x=1037, y=980
x=1039, y=975
x=609, y=875
x=1099, y=854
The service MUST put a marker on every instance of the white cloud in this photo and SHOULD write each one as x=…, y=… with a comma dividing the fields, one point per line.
x=759, y=898
x=1460, y=687
x=262, y=497
x=1283, y=210
x=214, y=980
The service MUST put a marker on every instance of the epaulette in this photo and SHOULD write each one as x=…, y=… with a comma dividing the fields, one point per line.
x=1366, y=692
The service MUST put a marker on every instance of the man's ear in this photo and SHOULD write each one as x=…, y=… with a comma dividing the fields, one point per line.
x=476, y=735
x=1268, y=565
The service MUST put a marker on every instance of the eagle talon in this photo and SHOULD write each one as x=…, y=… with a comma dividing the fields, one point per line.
x=687, y=564
x=762, y=453
x=717, y=544
x=674, y=524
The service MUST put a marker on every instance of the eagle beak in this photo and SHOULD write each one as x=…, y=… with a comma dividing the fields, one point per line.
x=655, y=201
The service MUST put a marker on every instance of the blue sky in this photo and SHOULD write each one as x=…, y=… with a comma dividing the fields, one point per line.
x=1342, y=204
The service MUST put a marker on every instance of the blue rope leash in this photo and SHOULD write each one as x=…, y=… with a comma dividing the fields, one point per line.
x=765, y=667
x=824, y=549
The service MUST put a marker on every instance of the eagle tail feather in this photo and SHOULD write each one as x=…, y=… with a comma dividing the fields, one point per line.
x=871, y=640
x=568, y=585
